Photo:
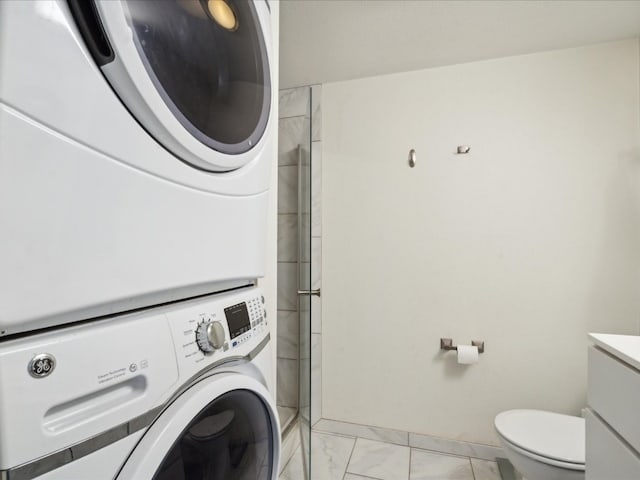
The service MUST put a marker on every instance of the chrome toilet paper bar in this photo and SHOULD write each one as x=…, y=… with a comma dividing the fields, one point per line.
x=447, y=344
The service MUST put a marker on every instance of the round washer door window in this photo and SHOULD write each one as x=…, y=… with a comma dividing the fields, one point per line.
x=208, y=60
x=233, y=436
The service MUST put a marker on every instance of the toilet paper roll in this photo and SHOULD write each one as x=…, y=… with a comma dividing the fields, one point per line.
x=467, y=354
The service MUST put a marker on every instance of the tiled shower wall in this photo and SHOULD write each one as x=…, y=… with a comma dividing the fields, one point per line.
x=292, y=122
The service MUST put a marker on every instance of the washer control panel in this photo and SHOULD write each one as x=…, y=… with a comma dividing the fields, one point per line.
x=209, y=329
x=245, y=319
x=137, y=361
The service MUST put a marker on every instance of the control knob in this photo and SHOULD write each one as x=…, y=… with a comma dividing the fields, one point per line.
x=210, y=336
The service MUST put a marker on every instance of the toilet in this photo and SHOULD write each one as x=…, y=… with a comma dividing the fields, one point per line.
x=543, y=445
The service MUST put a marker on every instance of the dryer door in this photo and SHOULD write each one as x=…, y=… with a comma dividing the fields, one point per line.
x=222, y=428
x=194, y=73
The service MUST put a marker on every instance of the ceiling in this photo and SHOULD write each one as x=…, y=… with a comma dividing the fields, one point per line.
x=332, y=40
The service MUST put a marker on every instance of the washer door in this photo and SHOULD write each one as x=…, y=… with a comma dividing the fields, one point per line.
x=222, y=428
x=194, y=73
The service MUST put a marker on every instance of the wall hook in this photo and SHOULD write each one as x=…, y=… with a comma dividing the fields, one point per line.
x=412, y=158
x=462, y=149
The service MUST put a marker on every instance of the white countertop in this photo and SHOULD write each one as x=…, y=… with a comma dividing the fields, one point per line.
x=624, y=347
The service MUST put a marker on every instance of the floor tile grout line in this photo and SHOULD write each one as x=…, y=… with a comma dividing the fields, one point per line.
x=410, y=455
x=473, y=473
x=447, y=454
x=386, y=444
x=377, y=439
x=359, y=476
x=346, y=468
x=341, y=435
x=289, y=461
x=303, y=116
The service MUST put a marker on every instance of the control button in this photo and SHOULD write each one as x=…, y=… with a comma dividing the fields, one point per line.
x=210, y=336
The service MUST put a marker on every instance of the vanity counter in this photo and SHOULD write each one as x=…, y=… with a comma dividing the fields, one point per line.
x=624, y=347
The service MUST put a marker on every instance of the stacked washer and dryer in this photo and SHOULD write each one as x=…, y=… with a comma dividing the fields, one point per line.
x=136, y=139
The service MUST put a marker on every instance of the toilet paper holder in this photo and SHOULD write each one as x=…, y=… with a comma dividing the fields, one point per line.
x=447, y=344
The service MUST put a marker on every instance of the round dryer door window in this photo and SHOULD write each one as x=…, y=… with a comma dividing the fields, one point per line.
x=232, y=436
x=194, y=73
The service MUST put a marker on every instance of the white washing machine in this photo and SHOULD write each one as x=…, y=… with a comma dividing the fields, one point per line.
x=180, y=392
x=136, y=139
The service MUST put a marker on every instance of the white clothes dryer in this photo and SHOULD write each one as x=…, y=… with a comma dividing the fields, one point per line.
x=180, y=392
x=136, y=139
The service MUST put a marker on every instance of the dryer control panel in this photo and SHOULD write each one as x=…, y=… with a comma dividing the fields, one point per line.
x=213, y=328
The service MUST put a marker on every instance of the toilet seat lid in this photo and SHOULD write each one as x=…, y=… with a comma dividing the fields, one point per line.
x=551, y=435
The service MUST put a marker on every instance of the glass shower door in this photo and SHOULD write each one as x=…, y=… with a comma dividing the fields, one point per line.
x=305, y=288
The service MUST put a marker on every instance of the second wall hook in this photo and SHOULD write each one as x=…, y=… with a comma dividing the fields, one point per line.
x=412, y=158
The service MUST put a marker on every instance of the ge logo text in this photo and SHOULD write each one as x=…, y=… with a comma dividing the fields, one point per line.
x=42, y=365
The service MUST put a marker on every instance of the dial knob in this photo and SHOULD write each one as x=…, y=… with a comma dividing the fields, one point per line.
x=210, y=336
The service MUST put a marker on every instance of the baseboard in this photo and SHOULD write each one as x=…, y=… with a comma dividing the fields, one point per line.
x=410, y=439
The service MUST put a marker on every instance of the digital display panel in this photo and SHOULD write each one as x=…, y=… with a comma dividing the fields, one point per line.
x=237, y=319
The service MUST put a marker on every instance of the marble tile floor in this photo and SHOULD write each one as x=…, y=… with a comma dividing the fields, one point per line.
x=339, y=457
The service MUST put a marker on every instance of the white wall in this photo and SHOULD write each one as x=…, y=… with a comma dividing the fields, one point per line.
x=528, y=242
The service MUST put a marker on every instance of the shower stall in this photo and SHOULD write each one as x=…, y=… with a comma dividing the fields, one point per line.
x=295, y=269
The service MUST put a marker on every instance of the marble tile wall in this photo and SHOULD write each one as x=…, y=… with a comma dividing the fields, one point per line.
x=292, y=124
x=291, y=132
